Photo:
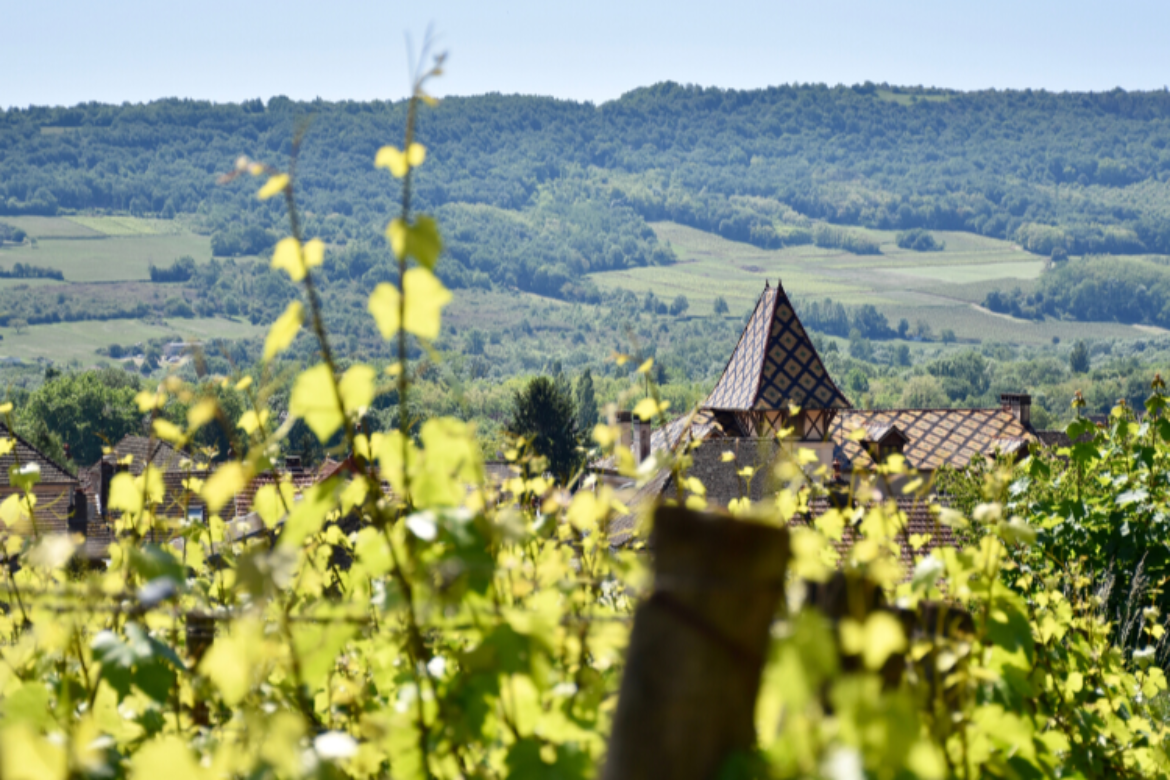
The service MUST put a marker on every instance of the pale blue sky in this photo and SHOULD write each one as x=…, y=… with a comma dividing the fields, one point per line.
x=66, y=51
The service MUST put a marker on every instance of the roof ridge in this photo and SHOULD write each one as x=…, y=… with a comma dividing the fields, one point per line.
x=38, y=451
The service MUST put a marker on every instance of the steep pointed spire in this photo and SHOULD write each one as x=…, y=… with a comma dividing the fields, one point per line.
x=775, y=365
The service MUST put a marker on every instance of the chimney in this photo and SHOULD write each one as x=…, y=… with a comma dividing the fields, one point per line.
x=1020, y=406
x=625, y=423
x=107, y=474
x=78, y=521
x=642, y=440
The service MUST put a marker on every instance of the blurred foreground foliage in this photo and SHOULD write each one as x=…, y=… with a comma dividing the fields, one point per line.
x=406, y=617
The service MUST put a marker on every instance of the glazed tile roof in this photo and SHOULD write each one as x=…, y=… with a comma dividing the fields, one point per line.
x=936, y=437
x=775, y=365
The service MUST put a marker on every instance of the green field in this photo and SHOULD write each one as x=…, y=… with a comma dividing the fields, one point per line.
x=111, y=259
x=942, y=288
x=65, y=341
x=52, y=227
x=127, y=226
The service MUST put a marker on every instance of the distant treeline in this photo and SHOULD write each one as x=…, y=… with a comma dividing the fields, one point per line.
x=179, y=271
x=1094, y=289
x=11, y=233
x=1084, y=172
x=837, y=319
x=26, y=271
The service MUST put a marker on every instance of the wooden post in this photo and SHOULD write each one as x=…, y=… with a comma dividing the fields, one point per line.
x=200, y=635
x=688, y=695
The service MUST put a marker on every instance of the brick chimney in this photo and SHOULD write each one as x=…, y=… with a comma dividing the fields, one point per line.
x=78, y=521
x=1020, y=406
x=625, y=424
x=107, y=474
x=641, y=440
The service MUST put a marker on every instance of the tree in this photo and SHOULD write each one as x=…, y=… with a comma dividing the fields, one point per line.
x=586, y=404
x=903, y=327
x=1078, y=359
x=922, y=330
x=679, y=305
x=84, y=411
x=859, y=346
x=923, y=392
x=947, y=336
x=721, y=307
x=902, y=354
x=475, y=342
x=19, y=325
x=544, y=416
x=857, y=382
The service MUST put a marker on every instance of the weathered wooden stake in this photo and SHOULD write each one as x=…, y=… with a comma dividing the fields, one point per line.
x=688, y=695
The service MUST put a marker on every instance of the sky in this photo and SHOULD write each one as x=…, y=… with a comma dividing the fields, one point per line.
x=62, y=52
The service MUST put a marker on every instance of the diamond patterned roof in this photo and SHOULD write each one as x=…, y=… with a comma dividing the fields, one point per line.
x=935, y=436
x=775, y=365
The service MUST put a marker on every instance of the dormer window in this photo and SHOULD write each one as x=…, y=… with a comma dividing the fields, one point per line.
x=882, y=441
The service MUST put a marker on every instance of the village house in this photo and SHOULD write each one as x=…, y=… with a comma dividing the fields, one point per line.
x=775, y=380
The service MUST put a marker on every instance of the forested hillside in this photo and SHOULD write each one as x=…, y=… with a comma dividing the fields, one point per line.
x=536, y=192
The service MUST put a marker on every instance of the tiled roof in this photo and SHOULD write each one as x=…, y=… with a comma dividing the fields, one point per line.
x=50, y=513
x=301, y=480
x=920, y=519
x=702, y=426
x=935, y=436
x=51, y=472
x=145, y=450
x=775, y=365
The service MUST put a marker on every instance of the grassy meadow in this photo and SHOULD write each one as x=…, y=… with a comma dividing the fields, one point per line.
x=110, y=256
x=63, y=342
x=103, y=249
x=942, y=288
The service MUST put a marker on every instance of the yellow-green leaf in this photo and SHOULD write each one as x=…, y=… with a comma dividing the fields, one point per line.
x=221, y=486
x=167, y=431
x=200, y=413
x=284, y=331
x=425, y=298
x=648, y=408
x=289, y=257
x=400, y=163
x=274, y=186
x=26, y=755
x=314, y=253
x=250, y=422
x=272, y=502
x=230, y=662
x=357, y=387
x=391, y=157
x=416, y=154
x=420, y=240
x=309, y=514
x=314, y=400
x=396, y=235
